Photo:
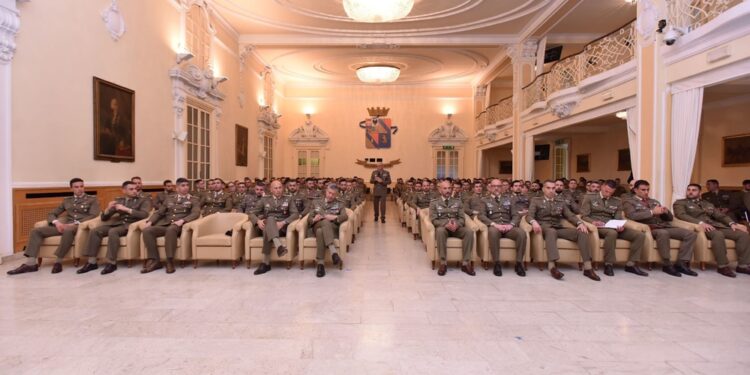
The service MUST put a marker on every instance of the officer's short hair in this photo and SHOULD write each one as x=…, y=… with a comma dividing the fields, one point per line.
x=196, y=181
x=612, y=184
x=639, y=183
x=696, y=185
x=548, y=182
x=745, y=182
x=714, y=181
x=126, y=183
x=166, y=182
x=75, y=180
x=333, y=187
x=136, y=178
x=183, y=180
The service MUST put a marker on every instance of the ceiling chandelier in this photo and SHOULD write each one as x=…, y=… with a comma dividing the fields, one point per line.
x=378, y=73
x=377, y=10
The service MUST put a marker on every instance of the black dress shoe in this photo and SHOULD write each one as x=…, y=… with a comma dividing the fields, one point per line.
x=635, y=270
x=151, y=266
x=519, y=269
x=109, y=268
x=336, y=259
x=468, y=269
x=726, y=271
x=442, y=269
x=170, y=266
x=683, y=268
x=382, y=220
x=88, y=267
x=745, y=270
x=57, y=268
x=591, y=275
x=556, y=273
x=609, y=270
x=498, y=270
x=24, y=268
x=671, y=270
x=263, y=268
x=281, y=251
x=321, y=271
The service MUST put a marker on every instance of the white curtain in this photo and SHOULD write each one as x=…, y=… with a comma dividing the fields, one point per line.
x=633, y=142
x=686, y=122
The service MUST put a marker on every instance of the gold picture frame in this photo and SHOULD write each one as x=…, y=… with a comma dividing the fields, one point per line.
x=735, y=150
x=114, y=122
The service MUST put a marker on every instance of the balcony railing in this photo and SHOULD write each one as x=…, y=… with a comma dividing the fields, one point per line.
x=691, y=14
x=601, y=55
x=501, y=110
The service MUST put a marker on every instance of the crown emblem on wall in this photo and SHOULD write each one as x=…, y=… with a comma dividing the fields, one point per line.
x=378, y=111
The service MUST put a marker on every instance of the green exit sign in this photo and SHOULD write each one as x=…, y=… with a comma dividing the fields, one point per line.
x=447, y=147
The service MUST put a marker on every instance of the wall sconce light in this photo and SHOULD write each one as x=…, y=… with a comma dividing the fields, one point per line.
x=622, y=115
x=184, y=56
x=218, y=80
x=179, y=135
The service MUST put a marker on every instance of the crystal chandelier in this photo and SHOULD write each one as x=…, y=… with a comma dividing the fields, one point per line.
x=378, y=73
x=377, y=10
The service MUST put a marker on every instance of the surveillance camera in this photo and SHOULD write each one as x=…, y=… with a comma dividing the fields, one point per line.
x=672, y=35
x=662, y=25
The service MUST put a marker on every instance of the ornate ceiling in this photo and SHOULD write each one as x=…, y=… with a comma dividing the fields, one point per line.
x=441, y=41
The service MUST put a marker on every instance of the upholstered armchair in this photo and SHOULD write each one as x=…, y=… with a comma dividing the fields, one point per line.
x=130, y=245
x=703, y=253
x=210, y=240
x=569, y=252
x=308, y=243
x=507, y=246
x=184, y=244
x=454, y=245
x=50, y=244
x=254, y=243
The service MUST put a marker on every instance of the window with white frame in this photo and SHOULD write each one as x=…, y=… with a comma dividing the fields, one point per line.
x=198, y=143
x=268, y=160
x=198, y=36
x=446, y=163
x=308, y=163
x=560, y=166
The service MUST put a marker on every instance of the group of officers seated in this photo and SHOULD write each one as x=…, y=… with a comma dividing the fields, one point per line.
x=577, y=212
x=270, y=205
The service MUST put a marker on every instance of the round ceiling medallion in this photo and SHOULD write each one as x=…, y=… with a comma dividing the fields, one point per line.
x=377, y=11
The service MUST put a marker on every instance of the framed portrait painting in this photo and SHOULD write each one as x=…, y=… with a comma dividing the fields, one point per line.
x=582, y=163
x=623, y=159
x=506, y=167
x=240, y=145
x=735, y=150
x=114, y=122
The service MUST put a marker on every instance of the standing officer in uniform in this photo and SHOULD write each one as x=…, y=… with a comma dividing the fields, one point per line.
x=447, y=215
x=717, y=227
x=161, y=196
x=272, y=215
x=326, y=215
x=598, y=209
x=380, y=179
x=167, y=222
x=78, y=208
x=502, y=218
x=545, y=215
x=116, y=219
x=649, y=211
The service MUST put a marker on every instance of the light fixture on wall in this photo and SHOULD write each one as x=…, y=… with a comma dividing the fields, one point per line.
x=622, y=115
x=378, y=73
x=219, y=79
x=377, y=10
x=183, y=54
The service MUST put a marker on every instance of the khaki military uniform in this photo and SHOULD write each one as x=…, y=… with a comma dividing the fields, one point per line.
x=720, y=199
x=380, y=191
x=326, y=231
x=115, y=225
x=161, y=197
x=273, y=210
x=520, y=201
x=595, y=208
x=175, y=208
x=215, y=201
x=502, y=210
x=698, y=211
x=237, y=198
x=549, y=213
x=443, y=211
x=639, y=210
x=473, y=204
x=570, y=201
x=248, y=204
x=301, y=202
x=739, y=205
x=77, y=210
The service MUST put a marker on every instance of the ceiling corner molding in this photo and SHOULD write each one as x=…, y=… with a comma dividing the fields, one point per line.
x=113, y=20
x=10, y=23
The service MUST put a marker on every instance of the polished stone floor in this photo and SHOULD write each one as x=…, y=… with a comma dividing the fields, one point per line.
x=387, y=312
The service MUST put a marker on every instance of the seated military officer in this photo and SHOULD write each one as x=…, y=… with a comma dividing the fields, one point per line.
x=272, y=215
x=298, y=197
x=502, y=218
x=649, y=211
x=325, y=217
x=739, y=203
x=248, y=204
x=167, y=222
x=77, y=209
x=717, y=227
x=720, y=199
x=566, y=196
x=598, y=209
x=239, y=195
x=545, y=215
x=472, y=202
x=215, y=200
x=139, y=187
x=420, y=200
x=447, y=215
x=520, y=200
x=161, y=196
x=116, y=219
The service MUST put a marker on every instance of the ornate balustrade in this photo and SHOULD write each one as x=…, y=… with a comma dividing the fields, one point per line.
x=691, y=14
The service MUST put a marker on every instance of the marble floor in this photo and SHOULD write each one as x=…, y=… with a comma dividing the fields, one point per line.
x=387, y=312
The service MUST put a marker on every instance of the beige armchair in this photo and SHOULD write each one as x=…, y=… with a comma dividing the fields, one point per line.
x=209, y=240
x=130, y=245
x=569, y=252
x=184, y=244
x=254, y=243
x=650, y=252
x=308, y=243
x=507, y=246
x=50, y=244
x=454, y=245
x=622, y=247
x=703, y=253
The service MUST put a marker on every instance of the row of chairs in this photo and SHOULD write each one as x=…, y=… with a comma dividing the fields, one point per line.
x=569, y=252
x=206, y=239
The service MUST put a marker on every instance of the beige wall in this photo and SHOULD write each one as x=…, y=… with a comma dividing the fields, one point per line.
x=720, y=119
x=338, y=110
x=491, y=161
x=61, y=47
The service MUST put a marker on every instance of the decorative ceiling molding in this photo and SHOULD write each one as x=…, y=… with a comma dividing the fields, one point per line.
x=10, y=22
x=309, y=134
x=459, y=8
x=447, y=134
x=572, y=38
x=280, y=40
x=525, y=9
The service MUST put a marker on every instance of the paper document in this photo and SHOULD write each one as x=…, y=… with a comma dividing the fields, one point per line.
x=614, y=224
